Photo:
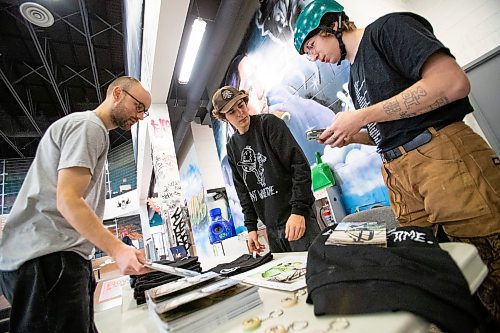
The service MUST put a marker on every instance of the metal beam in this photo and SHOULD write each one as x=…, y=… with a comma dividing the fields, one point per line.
x=75, y=74
x=20, y=102
x=33, y=70
x=90, y=47
x=48, y=69
x=80, y=76
x=109, y=27
x=11, y=143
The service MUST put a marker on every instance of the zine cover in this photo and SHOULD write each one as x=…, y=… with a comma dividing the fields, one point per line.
x=180, y=286
x=358, y=233
x=195, y=294
x=287, y=273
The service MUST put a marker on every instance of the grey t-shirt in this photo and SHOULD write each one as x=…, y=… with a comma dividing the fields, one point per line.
x=35, y=227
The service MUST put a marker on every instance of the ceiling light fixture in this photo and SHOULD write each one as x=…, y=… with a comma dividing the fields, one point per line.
x=36, y=14
x=197, y=32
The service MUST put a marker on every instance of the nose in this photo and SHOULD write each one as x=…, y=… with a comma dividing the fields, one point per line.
x=311, y=56
x=240, y=112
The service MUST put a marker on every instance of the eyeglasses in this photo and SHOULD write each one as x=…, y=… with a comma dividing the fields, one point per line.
x=140, y=107
x=309, y=50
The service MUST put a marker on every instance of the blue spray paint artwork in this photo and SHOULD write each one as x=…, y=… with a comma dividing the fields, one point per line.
x=194, y=197
x=306, y=95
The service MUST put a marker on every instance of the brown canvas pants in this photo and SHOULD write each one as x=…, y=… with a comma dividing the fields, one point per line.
x=453, y=181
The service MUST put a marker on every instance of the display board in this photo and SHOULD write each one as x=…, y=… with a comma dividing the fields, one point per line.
x=484, y=76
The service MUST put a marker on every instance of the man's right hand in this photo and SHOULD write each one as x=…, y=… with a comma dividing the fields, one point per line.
x=253, y=242
x=130, y=260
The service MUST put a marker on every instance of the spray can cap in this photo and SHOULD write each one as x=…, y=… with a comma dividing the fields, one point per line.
x=215, y=212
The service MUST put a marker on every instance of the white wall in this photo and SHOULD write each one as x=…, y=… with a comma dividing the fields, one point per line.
x=202, y=137
x=208, y=158
x=364, y=12
x=469, y=29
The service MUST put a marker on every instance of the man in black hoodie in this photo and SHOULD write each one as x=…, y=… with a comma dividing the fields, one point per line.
x=271, y=175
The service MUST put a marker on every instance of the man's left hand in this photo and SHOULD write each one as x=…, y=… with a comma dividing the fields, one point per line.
x=295, y=227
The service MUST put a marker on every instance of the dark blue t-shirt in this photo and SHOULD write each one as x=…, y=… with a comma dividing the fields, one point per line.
x=390, y=58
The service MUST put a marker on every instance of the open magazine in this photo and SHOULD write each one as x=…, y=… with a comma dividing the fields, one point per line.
x=287, y=273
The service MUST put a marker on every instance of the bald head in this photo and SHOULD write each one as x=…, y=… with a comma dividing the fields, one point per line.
x=125, y=82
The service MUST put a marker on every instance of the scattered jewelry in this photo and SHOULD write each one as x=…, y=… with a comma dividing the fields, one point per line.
x=335, y=325
x=297, y=325
x=290, y=301
x=255, y=322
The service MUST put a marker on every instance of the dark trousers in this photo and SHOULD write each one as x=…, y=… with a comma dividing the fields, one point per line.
x=52, y=293
x=278, y=242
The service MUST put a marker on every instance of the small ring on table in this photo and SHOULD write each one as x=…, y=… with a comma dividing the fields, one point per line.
x=275, y=313
x=289, y=301
x=276, y=329
x=339, y=324
x=251, y=324
x=299, y=325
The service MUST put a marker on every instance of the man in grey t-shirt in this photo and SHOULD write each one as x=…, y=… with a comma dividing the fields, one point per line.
x=47, y=242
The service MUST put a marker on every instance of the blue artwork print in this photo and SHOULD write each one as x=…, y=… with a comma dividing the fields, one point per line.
x=193, y=193
x=306, y=95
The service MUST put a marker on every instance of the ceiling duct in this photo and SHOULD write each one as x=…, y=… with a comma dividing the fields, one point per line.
x=228, y=12
x=36, y=14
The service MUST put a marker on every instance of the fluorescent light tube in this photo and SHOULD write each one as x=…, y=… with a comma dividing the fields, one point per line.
x=197, y=32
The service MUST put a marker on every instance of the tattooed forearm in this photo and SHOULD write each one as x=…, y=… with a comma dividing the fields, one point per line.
x=412, y=97
x=392, y=106
x=439, y=103
x=410, y=103
x=405, y=115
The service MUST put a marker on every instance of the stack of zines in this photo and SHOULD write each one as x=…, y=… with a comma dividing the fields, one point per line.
x=358, y=233
x=200, y=303
x=141, y=283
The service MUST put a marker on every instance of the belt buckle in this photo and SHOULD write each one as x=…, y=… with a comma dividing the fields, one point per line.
x=384, y=160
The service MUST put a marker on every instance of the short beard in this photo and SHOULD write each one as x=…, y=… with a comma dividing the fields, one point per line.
x=118, y=120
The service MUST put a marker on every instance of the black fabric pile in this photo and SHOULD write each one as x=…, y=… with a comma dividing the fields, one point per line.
x=141, y=283
x=242, y=264
x=412, y=274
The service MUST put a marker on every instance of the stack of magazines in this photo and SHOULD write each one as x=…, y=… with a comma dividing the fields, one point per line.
x=199, y=303
x=358, y=233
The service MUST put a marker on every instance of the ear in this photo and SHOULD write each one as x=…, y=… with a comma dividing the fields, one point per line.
x=117, y=92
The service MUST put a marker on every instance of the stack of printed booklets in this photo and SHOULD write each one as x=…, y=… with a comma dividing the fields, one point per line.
x=358, y=233
x=199, y=303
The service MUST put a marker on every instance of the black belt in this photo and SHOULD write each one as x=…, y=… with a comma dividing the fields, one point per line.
x=416, y=142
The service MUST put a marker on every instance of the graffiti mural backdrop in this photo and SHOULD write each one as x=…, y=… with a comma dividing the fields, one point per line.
x=306, y=95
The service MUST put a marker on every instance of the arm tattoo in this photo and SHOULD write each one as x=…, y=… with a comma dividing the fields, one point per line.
x=391, y=106
x=412, y=98
x=405, y=115
x=439, y=103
